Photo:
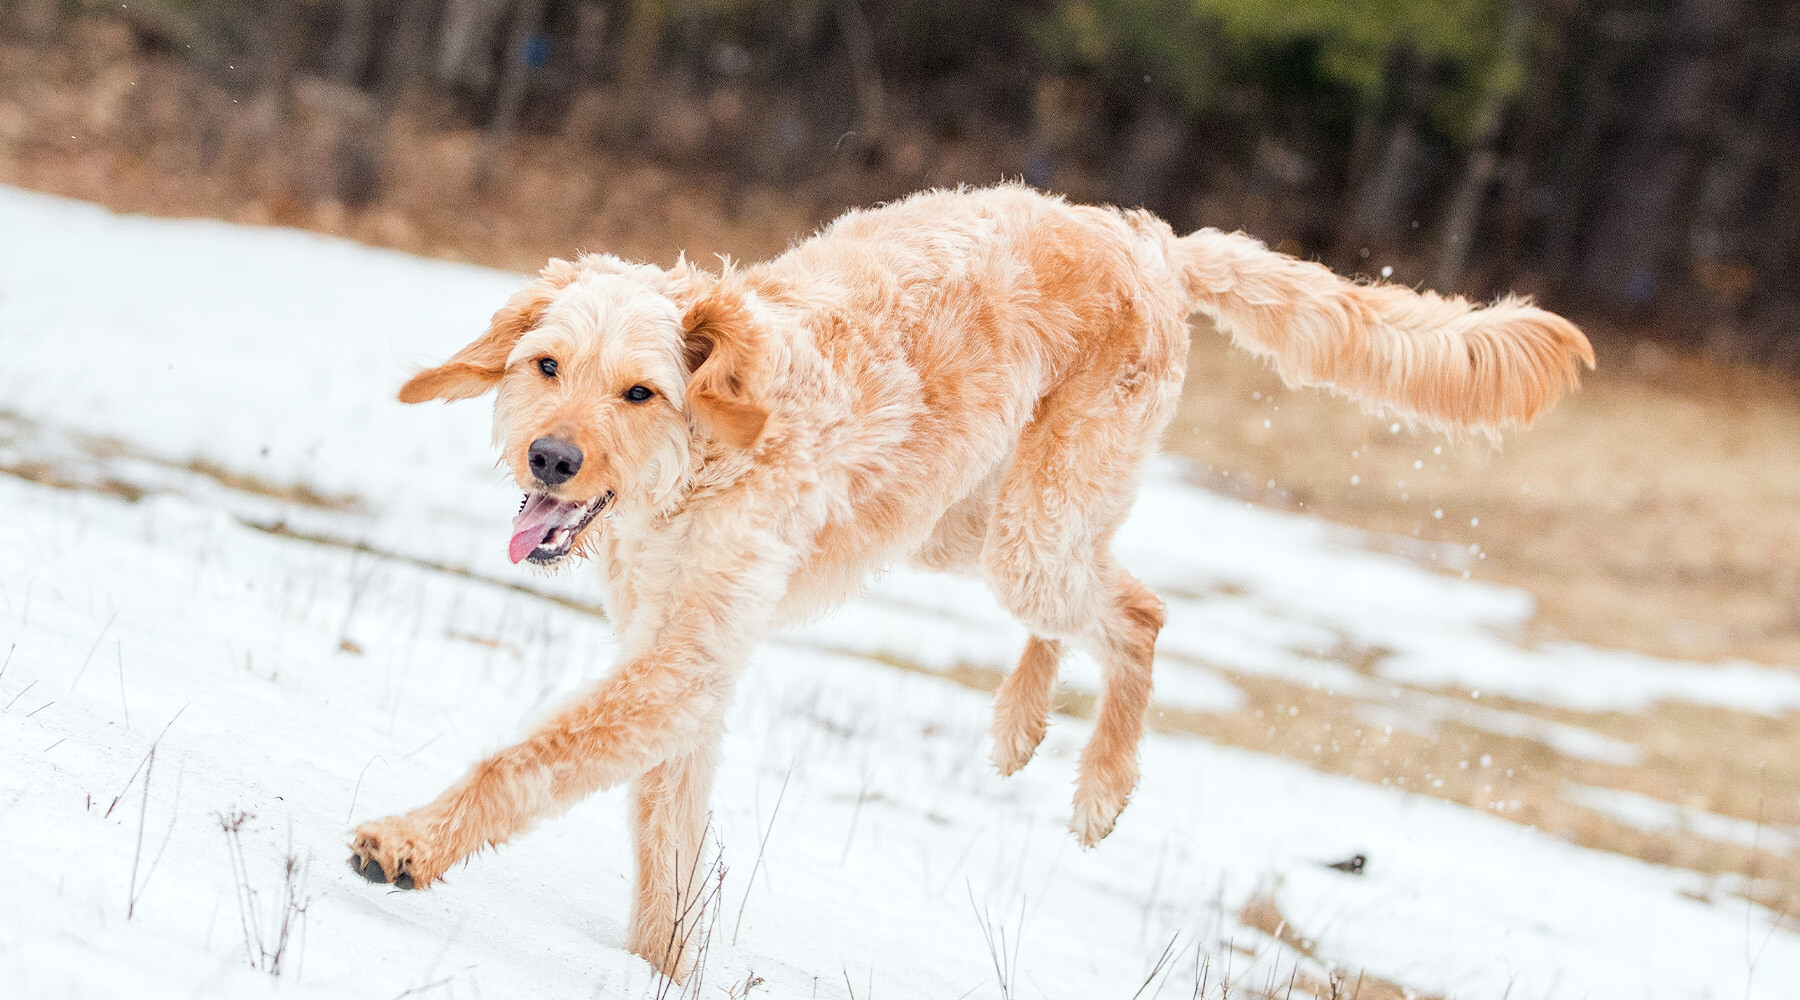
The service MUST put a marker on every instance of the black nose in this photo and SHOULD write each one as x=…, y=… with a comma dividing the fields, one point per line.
x=554, y=461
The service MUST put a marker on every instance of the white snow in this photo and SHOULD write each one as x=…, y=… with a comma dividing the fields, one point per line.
x=274, y=354
x=1658, y=816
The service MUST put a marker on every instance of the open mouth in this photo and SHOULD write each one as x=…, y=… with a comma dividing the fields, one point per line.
x=545, y=528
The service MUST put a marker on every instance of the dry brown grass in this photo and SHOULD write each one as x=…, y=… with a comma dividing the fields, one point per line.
x=1262, y=912
x=97, y=120
x=88, y=471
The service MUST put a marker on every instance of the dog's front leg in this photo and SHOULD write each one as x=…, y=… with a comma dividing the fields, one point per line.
x=659, y=704
x=672, y=876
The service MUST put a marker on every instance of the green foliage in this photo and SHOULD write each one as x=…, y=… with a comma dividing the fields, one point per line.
x=1355, y=38
x=1170, y=41
x=1198, y=50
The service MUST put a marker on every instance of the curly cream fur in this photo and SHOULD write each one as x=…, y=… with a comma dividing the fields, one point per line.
x=970, y=380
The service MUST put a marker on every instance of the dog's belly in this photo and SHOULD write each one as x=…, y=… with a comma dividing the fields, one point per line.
x=947, y=541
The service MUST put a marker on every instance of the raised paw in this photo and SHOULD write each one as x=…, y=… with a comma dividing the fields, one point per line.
x=1015, y=742
x=1022, y=706
x=1093, y=820
x=396, y=850
x=1099, y=798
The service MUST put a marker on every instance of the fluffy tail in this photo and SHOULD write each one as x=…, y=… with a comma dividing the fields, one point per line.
x=1439, y=360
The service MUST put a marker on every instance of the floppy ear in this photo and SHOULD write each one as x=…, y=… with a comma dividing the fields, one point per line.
x=723, y=348
x=477, y=368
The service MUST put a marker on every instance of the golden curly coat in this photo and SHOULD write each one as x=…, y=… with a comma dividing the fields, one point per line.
x=970, y=380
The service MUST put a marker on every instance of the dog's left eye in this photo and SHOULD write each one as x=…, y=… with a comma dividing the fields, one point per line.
x=547, y=366
x=638, y=393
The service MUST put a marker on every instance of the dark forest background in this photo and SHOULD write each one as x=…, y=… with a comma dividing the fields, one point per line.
x=1634, y=162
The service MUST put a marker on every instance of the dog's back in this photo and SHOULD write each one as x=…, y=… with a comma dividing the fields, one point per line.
x=946, y=324
x=952, y=321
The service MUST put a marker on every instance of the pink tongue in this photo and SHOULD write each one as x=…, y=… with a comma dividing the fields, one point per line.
x=534, y=523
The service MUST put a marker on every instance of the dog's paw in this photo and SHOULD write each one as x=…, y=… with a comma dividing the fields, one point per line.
x=397, y=850
x=1014, y=745
x=1093, y=819
x=662, y=943
x=1100, y=795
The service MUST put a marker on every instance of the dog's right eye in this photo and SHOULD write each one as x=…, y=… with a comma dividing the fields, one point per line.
x=547, y=366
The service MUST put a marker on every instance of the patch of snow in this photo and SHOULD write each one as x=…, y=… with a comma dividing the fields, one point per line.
x=1657, y=816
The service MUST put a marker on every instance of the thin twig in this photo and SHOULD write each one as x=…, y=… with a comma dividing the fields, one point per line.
x=143, y=813
x=140, y=767
x=90, y=652
x=1168, y=954
x=174, y=814
x=427, y=986
x=408, y=755
x=21, y=694
x=862, y=796
x=119, y=652
x=1006, y=964
x=354, y=792
x=751, y=884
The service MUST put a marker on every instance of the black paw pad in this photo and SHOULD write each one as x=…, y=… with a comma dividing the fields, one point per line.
x=371, y=869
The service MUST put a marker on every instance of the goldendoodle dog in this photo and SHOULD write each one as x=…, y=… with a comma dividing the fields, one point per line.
x=969, y=380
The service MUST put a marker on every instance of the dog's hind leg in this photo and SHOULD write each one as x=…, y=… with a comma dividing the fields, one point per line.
x=1022, y=705
x=1118, y=621
x=1125, y=644
x=1047, y=558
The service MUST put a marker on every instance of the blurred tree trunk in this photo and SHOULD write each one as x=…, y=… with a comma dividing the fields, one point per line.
x=1577, y=173
x=365, y=156
x=1149, y=149
x=1537, y=109
x=1774, y=248
x=637, y=58
x=582, y=121
x=1717, y=241
x=280, y=42
x=1637, y=230
x=871, y=96
x=351, y=59
x=1346, y=235
x=403, y=58
x=258, y=137
x=348, y=58
x=1464, y=215
x=1375, y=216
x=515, y=74
x=466, y=41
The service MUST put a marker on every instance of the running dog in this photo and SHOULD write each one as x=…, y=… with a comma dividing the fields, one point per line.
x=968, y=380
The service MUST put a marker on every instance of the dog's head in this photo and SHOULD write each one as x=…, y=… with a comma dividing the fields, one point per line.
x=606, y=374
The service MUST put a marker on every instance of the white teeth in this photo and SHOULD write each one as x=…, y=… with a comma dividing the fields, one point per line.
x=561, y=536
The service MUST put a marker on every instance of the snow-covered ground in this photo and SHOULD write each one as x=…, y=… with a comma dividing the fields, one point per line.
x=310, y=663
